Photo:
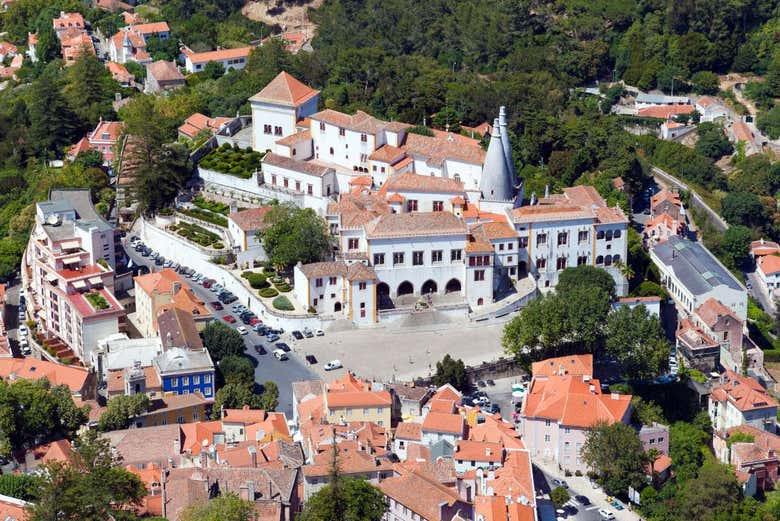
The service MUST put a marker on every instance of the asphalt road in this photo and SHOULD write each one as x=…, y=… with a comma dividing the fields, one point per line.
x=268, y=368
x=713, y=217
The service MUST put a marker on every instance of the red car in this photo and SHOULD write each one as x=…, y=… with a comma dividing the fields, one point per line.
x=207, y=283
x=216, y=305
x=255, y=321
x=229, y=319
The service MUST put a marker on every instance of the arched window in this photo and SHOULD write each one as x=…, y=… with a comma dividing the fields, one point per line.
x=480, y=301
x=600, y=234
x=609, y=235
x=331, y=150
x=608, y=260
x=616, y=235
x=615, y=259
x=456, y=177
x=600, y=259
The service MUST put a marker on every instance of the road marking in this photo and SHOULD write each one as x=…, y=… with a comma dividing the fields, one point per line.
x=592, y=508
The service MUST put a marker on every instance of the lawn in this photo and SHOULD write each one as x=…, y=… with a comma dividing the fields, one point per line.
x=240, y=162
x=212, y=206
x=96, y=300
x=207, y=216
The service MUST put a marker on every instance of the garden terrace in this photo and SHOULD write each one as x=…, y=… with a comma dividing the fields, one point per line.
x=198, y=235
x=239, y=162
x=204, y=215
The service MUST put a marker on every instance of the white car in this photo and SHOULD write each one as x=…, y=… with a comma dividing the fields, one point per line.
x=333, y=364
x=242, y=330
x=319, y=332
x=280, y=355
x=606, y=514
x=22, y=330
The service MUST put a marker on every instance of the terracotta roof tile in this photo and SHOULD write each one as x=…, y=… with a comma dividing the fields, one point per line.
x=304, y=167
x=745, y=393
x=409, y=431
x=420, y=493
x=75, y=378
x=466, y=450
x=435, y=150
x=665, y=111
x=712, y=310
x=769, y=264
x=387, y=154
x=164, y=71
x=571, y=364
x=409, y=182
x=151, y=28
x=443, y=422
x=252, y=219
x=415, y=224
x=223, y=54
x=284, y=89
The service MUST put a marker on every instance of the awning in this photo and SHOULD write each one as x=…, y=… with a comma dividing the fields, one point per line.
x=95, y=280
x=72, y=260
x=79, y=284
x=51, y=277
x=69, y=245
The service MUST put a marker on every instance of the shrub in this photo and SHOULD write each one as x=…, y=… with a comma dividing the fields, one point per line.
x=207, y=216
x=67, y=360
x=578, y=473
x=268, y=292
x=283, y=287
x=567, y=473
x=97, y=300
x=312, y=310
x=282, y=303
x=246, y=274
x=257, y=280
x=218, y=246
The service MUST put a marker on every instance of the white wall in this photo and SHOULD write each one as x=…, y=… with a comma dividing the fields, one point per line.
x=348, y=150
x=274, y=115
x=94, y=330
x=212, y=178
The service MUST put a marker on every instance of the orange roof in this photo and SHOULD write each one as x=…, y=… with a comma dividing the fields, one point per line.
x=159, y=282
x=520, y=512
x=712, y=310
x=408, y=431
x=350, y=461
x=151, y=28
x=396, y=198
x=435, y=150
x=409, y=182
x=107, y=131
x=745, y=393
x=479, y=451
x=514, y=478
x=12, y=509
x=571, y=364
x=497, y=230
x=495, y=430
x=244, y=415
x=252, y=219
x=387, y=154
x=358, y=399
x=662, y=463
x=284, y=89
x=164, y=71
x=490, y=508
x=224, y=54
x=69, y=20
x=361, y=180
x=74, y=378
x=420, y=493
x=442, y=405
x=573, y=401
x=665, y=111
x=763, y=247
x=742, y=132
x=443, y=422
x=119, y=72
x=447, y=392
x=769, y=264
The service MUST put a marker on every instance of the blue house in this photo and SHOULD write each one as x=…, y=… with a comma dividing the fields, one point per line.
x=185, y=371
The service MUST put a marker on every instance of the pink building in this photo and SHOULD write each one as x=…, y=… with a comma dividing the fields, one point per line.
x=103, y=139
x=560, y=408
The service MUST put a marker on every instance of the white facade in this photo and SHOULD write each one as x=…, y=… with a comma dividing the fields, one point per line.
x=336, y=289
x=273, y=121
x=196, y=62
x=710, y=110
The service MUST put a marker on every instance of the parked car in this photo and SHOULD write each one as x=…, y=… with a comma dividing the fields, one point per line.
x=606, y=515
x=207, y=283
x=254, y=321
x=260, y=349
x=229, y=319
x=284, y=347
x=333, y=364
x=272, y=337
x=495, y=409
x=582, y=500
x=242, y=330
x=319, y=332
x=154, y=255
x=308, y=332
x=217, y=305
x=261, y=329
x=481, y=383
x=159, y=261
x=560, y=483
x=23, y=330
x=311, y=359
x=280, y=355
x=490, y=382
x=26, y=350
x=146, y=252
x=297, y=335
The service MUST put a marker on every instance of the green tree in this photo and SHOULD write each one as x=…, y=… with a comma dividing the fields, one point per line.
x=687, y=446
x=591, y=276
x=20, y=486
x=238, y=395
x=351, y=500
x=743, y=208
x=228, y=507
x=635, y=338
x=705, y=82
x=48, y=46
x=712, y=141
x=213, y=70
x=768, y=122
x=735, y=246
x=89, y=159
x=93, y=487
x=122, y=410
x=650, y=289
x=222, y=341
x=559, y=496
x=90, y=90
x=237, y=369
x=295, y=235
x=451, y=371
x=51, y=120
x=616, y=452
x=714, y=491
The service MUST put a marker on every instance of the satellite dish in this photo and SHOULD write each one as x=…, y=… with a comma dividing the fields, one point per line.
x=53, y=219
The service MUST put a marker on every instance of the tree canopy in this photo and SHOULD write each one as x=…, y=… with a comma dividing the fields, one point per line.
x=295, y=235
x=121, y=410
x=617, y=454
x=451, y=371
x=635, y=338
x=227, y=507
x=222, y=341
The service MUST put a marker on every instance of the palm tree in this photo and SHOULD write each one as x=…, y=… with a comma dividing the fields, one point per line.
x=625, y=269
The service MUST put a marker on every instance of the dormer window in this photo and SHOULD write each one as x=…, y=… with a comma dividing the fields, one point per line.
x=105, y=136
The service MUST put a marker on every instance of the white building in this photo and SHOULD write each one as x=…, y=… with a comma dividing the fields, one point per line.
x=692, y=275
x=70, y=255
x=573, y=229
x=644, y=101
x=768, y=272
x=117, y=352
x=231, y=59
x=338, y=288
x=710, y=109
x=277, y=109
x=245, y=227
x=740, y=400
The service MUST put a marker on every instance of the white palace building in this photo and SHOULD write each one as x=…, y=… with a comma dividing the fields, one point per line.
x=429, y=218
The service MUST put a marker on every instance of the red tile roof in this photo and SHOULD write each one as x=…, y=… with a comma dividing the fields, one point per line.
x=745, y=393
x=284, y=89
x=409, y=431
x=223, y=54
x=479, y=451
x=119, y=72
x=420, y=493
x=665, y=111
x=75, y=378
x=164, y=71
x=151, y=28
x=443, y=422
x=571, y=364
x=409, y=182
x=252, y=219
x=769, y=264
x=712, y=310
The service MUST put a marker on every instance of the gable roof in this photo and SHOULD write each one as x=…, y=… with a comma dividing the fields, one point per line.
x=163, y=70
x=745, y=393
x=443, y=422
x=222, y=54
x=408, y=431
x=284, y=89
x=252, y=219
x=75, y=378
x=159, y=282
x=570, y=364
x=151, y=28
x=410, y=182
x=712, y=310
x=415, y=224
x=769, y=264
x=420, y=493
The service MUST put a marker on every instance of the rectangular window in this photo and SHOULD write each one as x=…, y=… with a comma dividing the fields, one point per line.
x=174, y=382
x=277, y=131
x=546, y=423
x=286, y=182
x=473, y=261
x=541, y=264
x=523, y=242
x=581, y=260
x=411, y=205
x=456, y=255
x=501, y=247
x=342, y=132
x=417, y=258
x=436, y=255
x=547, y=438
x=398, y=258
x=561, y=263
x=541, y=239
x=353, y=244
x=273, y=180
x=363, y=138
x=562, y=238
x=185, y=380
x=207, y=379
x=207, y=391
x=362, y=286
x=322, y=125
x=196, y=379
x=438, y=206
x=379, y=259
x=297, y=186
x=510, y=246
x=310, y=189
x=479, y=275
x=318, y=283
x=332, y=281
x=267, y=129
x=582, y=236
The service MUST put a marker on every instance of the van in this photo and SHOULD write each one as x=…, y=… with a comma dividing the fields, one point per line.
x=280, y=355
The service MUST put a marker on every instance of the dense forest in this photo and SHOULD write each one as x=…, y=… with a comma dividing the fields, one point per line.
x=439, y=62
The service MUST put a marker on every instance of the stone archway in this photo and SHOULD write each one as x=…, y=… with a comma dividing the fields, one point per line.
x=429, y=286
x=453, y=286
x=405, y=288
x=383, y=296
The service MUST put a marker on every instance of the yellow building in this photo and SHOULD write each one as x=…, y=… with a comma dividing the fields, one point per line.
x=165, y=289
x=173, y=409
x=354, y=400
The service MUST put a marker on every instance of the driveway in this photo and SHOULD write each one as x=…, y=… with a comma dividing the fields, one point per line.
x=757, y=292
x=268, y=368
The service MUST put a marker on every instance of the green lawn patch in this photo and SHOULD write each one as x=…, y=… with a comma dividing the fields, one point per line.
x=204, y=215
x=282, y=303
x=97, y=300
x=198, y=235
x=212, y=206
x=268, y=292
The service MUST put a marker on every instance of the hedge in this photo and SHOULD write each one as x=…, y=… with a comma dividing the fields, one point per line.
x=282, y=303
x=234, y=161
x=772, y=355
x=218, y=246
x=212, y=206
x=268, y=292
x=207, y=216
x=283, y=287
x=256, y=280
x=197, y=234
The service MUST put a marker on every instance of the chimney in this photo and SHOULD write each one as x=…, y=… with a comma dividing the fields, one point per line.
x=592, y=389
x=615, y=396
x=164, y=499
x=487, y=451
x=250, y=490
x=204, y=459
x=252, y=455
x=176, y=286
